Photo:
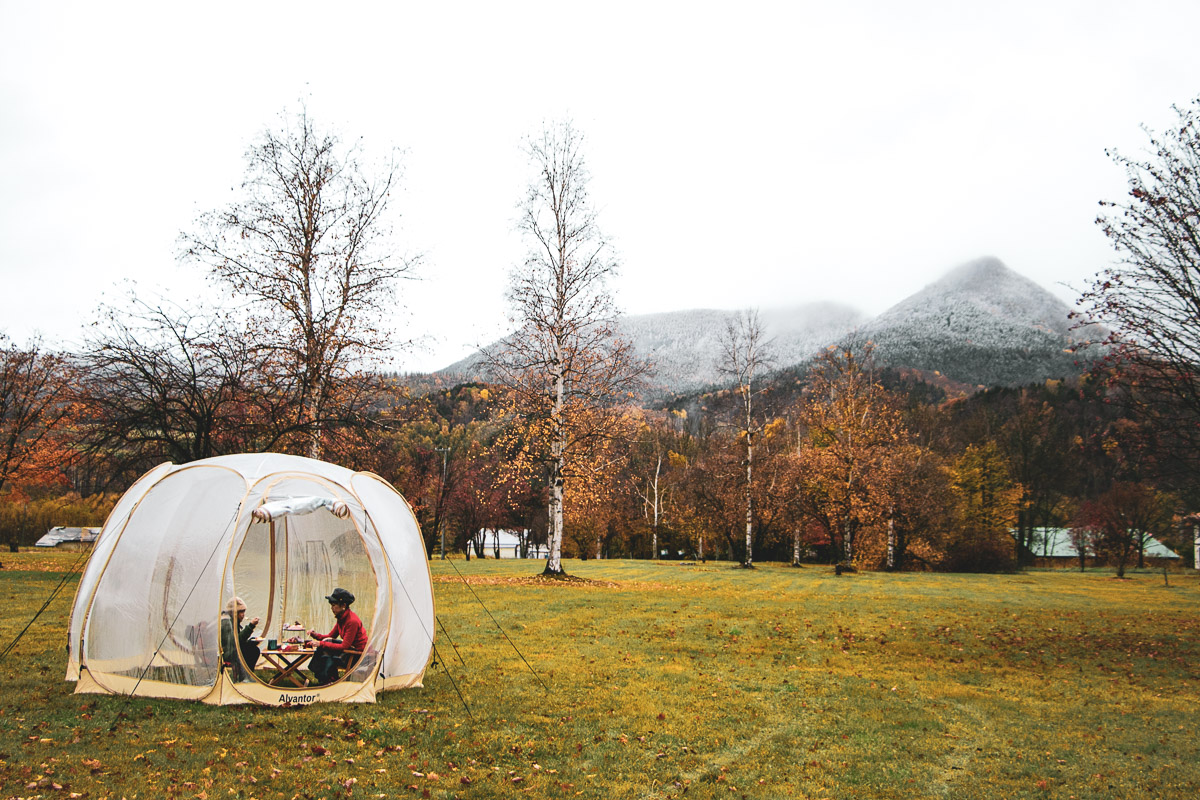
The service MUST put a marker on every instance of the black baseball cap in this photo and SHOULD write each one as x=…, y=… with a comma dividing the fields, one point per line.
x=340, y=596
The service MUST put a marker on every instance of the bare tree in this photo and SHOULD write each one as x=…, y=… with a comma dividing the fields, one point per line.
x=1151, y=299
x=307, y=247
x=160, y=382
x=745, y=356
x=565, y=363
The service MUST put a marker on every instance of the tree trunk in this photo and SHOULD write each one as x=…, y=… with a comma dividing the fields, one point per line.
x=796, y=548
x=749, y=562
x=891, y=544
x=557, y=452
x=654, y=529
x=554, y=560
x=314, y=406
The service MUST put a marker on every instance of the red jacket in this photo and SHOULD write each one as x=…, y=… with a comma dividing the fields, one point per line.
x=349, y=629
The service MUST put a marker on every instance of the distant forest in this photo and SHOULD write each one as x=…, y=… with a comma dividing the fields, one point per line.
x=906, y=478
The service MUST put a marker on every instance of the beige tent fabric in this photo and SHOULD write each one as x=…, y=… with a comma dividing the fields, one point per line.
x=185, y=539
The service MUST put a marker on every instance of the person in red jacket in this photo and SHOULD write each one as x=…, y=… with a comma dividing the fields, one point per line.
x=347, y=634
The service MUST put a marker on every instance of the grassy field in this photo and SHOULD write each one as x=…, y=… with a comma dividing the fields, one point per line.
x=660, y=680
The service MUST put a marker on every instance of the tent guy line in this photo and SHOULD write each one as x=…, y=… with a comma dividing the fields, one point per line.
x=503, y=633
x=429, y=635
x=446, y=633
x=83, y=553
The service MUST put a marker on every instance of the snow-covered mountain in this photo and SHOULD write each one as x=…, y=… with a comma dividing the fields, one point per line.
x=685, y=346
x=981, y=324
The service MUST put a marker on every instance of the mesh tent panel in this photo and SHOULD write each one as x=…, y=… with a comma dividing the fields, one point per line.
x=410, y=640
x=155, y=611
x=101, y=551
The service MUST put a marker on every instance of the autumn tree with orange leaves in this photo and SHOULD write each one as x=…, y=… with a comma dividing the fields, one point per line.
x=860, y=475
x=35, y=401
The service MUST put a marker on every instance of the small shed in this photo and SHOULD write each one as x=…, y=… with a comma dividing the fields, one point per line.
x=69, y=538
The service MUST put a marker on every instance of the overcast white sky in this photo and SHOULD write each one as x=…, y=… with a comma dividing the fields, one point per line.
x=748, y=154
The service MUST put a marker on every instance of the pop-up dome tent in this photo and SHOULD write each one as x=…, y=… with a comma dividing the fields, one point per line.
x=280, y=532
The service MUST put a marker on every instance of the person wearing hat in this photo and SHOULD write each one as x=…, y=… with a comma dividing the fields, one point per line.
x=348, y=634
x=235, y=637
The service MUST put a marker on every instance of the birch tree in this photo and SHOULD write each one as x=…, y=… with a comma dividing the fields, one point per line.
x=653, y=494
x=745, y=356
x=565, y=362
x=651, y=474
x=307, y=246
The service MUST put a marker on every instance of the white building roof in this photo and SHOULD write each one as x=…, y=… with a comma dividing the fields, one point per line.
x=1057, y=543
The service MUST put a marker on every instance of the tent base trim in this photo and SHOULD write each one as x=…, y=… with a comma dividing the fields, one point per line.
x=106, y=683
x=410, y=681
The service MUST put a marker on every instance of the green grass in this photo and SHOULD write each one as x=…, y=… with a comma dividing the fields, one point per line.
x=665, y=681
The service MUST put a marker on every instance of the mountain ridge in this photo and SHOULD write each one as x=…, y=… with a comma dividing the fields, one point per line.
x=980, y=324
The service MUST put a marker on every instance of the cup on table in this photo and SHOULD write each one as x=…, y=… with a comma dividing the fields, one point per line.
x=272, y=644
